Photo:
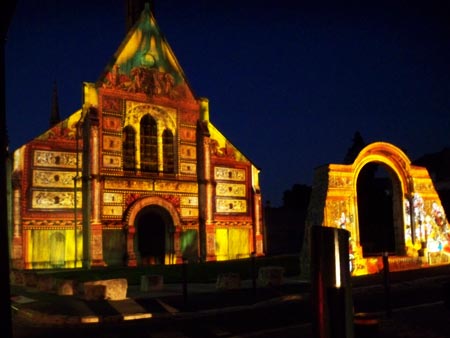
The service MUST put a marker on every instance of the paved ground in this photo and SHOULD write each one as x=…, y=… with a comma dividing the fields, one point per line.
x=431, y=320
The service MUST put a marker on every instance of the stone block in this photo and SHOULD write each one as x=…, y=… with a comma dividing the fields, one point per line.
x=45, y=283
x=152, y=282
x=16, y=277
x=66, y=287
x=110, y=289
x=30, y=279
x=228, y=281
x=270, y=275
x=94, y=291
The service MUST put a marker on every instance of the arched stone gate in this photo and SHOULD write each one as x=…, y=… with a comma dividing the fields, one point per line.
x=421, y=232
x=172, y=251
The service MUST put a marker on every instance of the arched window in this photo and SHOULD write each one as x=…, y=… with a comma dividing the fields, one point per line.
x=149, y=144
x=129, y=148
x=168, y=152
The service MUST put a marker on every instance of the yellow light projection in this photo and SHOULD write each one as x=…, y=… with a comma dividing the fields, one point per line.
x=419, y=232
x=145, y=63
x=221, y=147
x=54, y=249
x=232, y=243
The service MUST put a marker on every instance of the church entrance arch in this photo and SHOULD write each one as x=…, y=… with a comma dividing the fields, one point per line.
x=151, y=224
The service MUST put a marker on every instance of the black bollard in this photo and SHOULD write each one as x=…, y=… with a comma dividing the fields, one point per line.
x=330, y=283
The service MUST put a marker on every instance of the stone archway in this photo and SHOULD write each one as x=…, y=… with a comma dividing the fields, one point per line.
x=334, y=203
x=400, y=172
x=147, y=221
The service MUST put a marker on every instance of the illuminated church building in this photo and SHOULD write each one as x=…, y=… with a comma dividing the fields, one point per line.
x=139, y=175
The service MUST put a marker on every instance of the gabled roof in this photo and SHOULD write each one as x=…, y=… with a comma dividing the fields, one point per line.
x=145, y=63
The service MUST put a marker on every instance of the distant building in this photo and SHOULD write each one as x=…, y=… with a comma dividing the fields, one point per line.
x=139, y=175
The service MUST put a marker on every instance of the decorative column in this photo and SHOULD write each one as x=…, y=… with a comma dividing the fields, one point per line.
x=92, y=227
x=131, y=255
x=96, y=224
x=17, y=239
x=258, y=237
x=159, y=132
x=205, y=186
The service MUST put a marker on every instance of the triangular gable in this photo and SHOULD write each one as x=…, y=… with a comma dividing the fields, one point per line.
x=64, y=130
x=222, y=148
x=145, y=63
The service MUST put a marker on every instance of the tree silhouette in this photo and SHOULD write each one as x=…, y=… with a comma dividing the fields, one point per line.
x=357, y=145
x=297, y=197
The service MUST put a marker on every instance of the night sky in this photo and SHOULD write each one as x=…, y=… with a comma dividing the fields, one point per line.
x=289, y=82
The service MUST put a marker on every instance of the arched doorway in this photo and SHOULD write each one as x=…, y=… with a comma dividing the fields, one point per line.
x=377, y=199
x=153, y=229
x=141, y=215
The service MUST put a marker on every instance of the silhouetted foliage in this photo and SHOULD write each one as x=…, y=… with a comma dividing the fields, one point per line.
x=357, y=145
x=285, y=225
x=297, y=197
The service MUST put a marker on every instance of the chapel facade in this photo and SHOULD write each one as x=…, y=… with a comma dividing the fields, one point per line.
x=139, y=175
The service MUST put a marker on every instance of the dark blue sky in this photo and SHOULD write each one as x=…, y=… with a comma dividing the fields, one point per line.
x=289, y=82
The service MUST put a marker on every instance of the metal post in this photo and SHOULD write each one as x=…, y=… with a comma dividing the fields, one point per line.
x=184, y=277
x=253, y=272
x=330, y=283
x=386, y=283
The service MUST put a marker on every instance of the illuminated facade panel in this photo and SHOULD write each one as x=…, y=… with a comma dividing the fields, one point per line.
x=112, y=143
x=188, y=168
x=44, y=199
x=129, y=184
x=111, y=197
x=229, y=174
x=188, y=152
x=189, y=212
x=112, y=210
x=191, y=201
x=54, y=179
x=56, y=159
x=231, y=190
x=187, y=134
x=111, y=161
x=171, y=186
x=228, y=205
x=112, y=123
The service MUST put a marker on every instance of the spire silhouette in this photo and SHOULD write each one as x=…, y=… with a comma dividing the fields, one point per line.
x=133, y=10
